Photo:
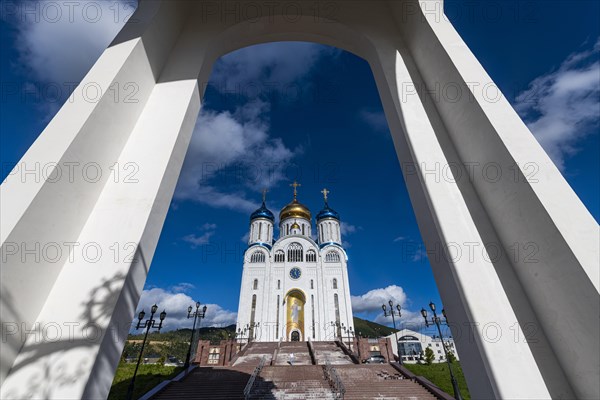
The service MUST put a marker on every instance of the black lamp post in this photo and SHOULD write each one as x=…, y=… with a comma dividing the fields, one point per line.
x=338, y=327
x=350, y=333
x=438, y=321
x=240, y=335
x=252, y=330
x=149, y=323
x=392, y=313
x=196, y=314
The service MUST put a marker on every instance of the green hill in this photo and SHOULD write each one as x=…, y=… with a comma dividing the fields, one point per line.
x=370, y=329
x=366, y=329
x=183, y=335
x=175, y=343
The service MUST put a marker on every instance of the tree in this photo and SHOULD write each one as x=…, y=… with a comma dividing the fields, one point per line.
x=451, y=356
x=429, y=356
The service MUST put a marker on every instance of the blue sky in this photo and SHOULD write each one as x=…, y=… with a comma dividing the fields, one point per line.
x=543, y=55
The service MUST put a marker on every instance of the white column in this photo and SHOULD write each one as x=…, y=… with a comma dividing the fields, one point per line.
x=87, y=298
x=466, y=282
x=548, y=238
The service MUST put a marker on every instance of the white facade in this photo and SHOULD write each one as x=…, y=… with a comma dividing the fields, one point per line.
x=294, y=288
x=415, y=343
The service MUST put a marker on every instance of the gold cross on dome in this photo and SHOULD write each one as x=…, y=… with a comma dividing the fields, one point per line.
x=295, y=186
x=264, y=192
x=325, y=193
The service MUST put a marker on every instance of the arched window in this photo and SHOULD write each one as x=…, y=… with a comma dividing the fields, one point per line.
x=295, y=252
x=312, y=284
x=257, y=256
x=279, y=256
x=332, y=256
x=255, y=284
x=311, y=256
x=334, y=283
x=278, y=284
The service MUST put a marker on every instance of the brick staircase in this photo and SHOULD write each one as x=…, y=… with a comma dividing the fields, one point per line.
x=298, y=349
x=379, y=382
x=297, y=382
x=215, y=383
x=254, y=352
x=330, y=351
x=302, y=380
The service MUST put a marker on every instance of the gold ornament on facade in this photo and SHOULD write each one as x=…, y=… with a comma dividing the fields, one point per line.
x=295, y=312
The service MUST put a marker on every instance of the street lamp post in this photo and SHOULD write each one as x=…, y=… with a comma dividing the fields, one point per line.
x=149, y=323
x=338, y=327
x=252, y=329
x=438, y=321
x=392, y=313
x=350, y=333
x=196, y=314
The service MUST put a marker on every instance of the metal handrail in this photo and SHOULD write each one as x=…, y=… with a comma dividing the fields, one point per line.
x=334, y=380
x=255, y=373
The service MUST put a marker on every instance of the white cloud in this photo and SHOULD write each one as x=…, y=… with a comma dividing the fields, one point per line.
x=176, y=304
x=233, y=150
x=207, y=231
x=60, y=40
x=369, y=304
x=419, y=254
x=373, y=299
x=267, y=67
x=400, y=239
x=375, y=120
x=563, y=106
x=348, y=229
x=182, y=287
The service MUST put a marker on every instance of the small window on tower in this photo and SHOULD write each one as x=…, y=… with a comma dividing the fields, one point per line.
x=295, y=252
x=279, y=256
x=255, y=284
x=332, y=256
x=312, y=284
x=311, y=256
x=278, y=284
x=334, y=283
x=257, y=256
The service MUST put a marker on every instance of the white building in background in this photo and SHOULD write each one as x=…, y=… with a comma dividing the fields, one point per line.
x=412, y=344
x=295, y=288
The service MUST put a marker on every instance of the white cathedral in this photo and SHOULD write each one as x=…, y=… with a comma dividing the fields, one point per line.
x=295, y=288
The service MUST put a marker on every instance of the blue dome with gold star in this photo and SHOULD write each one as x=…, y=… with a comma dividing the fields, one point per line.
x=263, y=212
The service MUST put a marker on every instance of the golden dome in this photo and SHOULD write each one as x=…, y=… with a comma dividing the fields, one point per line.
x=295, y=210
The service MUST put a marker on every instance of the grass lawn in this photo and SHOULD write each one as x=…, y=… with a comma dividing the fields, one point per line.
x=438, y=374
x=148, y=376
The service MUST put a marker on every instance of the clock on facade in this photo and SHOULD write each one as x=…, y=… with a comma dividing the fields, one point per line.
x=295, y=273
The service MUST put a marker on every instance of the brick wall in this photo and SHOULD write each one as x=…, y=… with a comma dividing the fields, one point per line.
x=215, y=354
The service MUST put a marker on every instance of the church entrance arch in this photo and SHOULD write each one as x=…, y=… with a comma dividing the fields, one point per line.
x=295, y=301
